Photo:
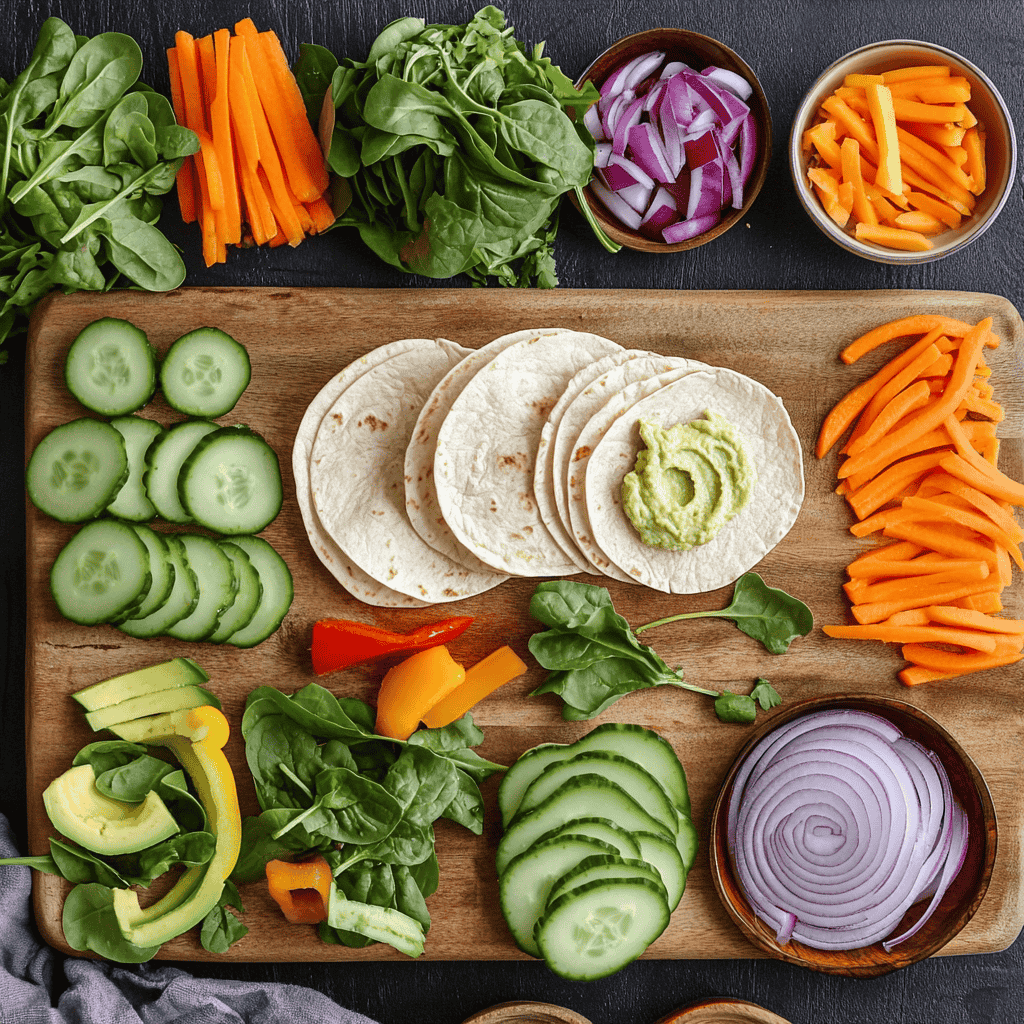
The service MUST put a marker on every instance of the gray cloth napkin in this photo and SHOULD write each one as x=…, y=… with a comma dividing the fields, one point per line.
x=102, y=993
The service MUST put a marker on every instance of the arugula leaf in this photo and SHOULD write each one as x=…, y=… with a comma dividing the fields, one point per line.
x=771, y=616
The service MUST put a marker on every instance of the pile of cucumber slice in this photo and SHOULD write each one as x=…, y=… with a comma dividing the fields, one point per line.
x=596, y=848
x=118, y=475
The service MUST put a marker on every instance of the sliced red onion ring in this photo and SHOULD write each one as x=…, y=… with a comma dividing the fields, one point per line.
x=838, y=825
x=668, y=122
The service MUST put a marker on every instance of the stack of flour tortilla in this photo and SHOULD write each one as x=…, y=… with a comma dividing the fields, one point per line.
x=427, y=472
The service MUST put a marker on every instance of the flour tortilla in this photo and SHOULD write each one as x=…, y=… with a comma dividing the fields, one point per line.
x=349, y=575
x=421, y=503
x=545, y=482
x=357, y=477
x=772, y=443
x=487, y=446
x=615, y=406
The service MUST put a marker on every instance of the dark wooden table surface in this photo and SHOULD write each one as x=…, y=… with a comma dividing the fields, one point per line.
x=788, y=44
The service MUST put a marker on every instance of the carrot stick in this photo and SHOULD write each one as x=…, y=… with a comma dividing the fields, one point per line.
x=906, y=401
x=959, y=381
x=974, y=145
x=989, y=481
x=186, y=178
x=260, y=215
x=915, y=675
x=218, y=191
x=894, y=238
x=321, y=214
x=987, y=602
x=242, y=120
x=882, y=109
x=270, y=162
x=936, y=207
x=919, y=71
x=934, y=510
x=867, y=592
x=941, y=538
x=220, y=122
x=305, y=183
x=904, y=567
x=911, y=634
x=970, y=619
x=888, y=484
x=920, y=323
x=907, y=617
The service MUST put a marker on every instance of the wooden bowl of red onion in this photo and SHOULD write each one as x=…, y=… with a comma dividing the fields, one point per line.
x=853, y=836
x=683, y=137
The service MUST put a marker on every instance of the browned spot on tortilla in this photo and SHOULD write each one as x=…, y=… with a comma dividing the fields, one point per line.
x=543, y=407
x=414, y=505
x=373, y=423
x=518, y=461
x=526, y=502
x=494, y=505
x=583, y=452
x=448, y=592
x=337, y=417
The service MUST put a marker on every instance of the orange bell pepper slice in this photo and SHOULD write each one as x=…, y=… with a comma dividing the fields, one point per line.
x=300, y=888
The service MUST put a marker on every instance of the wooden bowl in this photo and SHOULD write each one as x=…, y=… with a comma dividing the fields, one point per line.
x=987, y=105
x=722, y=1011
x=958, y=904
x=698, y=52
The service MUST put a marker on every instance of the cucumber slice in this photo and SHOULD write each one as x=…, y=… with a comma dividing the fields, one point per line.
x=524, y=885
x=180, y=602
x=161, y=569
x=598, y=928
x=644, y=746
x=581, y=797
x=77, y=470
x=164, y=459
x=603, y=867
x=132, y=502
x=247, y=597
x=231, y=482
x=380, y=924
x=636, y=781
x=657, y=851
x=276, y=599
x=102, y=570
x=111, y=367
x=599, y=828
x=204, y=373
x=217, y=583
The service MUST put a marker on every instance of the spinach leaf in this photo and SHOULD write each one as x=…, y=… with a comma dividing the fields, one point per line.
x=131, y=782
x=221, y=929
x=104, y=755
x=89, y=923
x=771, y=616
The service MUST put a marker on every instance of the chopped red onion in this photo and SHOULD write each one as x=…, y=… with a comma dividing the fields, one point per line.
x=618, y=207
x=838, y=825
x=664, y=125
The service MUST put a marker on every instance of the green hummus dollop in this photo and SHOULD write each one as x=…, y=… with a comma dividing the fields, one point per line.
x=688, y=482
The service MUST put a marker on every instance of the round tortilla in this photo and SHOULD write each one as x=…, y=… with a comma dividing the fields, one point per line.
x=545, y=483
x=772, y=443
x=341, y=567
x=615, y=404
x=357, y=476
x=487, y=446
x=421, y=503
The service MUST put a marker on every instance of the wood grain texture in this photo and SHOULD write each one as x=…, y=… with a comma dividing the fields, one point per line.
x=297, y=340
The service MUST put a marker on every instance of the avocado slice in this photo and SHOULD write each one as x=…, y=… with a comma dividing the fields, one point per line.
x=101, y=824
x=163, y=676
x=178, y=698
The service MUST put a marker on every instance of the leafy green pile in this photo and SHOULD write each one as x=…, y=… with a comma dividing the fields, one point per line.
x=126, y=771
x=456, y=147
x=328, y=784
x=594, y=657
x=86, y=150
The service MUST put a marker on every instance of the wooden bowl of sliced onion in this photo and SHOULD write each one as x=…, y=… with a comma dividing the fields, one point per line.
x=683, y=136
x=853, y=836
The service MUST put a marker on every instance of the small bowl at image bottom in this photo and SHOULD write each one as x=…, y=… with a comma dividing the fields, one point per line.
x=810, y=823
x=985, y=103
x=698, y=52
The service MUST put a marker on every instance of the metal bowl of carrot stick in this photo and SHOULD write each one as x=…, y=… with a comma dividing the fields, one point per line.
x=903, y=152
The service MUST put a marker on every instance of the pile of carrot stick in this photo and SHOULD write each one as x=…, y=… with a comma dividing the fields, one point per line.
x=920, y=470
x=260, y=176
x=898, y=156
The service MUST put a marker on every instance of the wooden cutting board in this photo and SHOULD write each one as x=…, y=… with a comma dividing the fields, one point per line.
x=298, y=339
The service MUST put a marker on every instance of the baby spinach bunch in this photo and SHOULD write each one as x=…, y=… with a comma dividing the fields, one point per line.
x=86, y=150
x=128, y=772
x=328, y=784
x=454, y=146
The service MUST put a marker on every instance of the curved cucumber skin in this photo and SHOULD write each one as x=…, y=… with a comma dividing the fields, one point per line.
x=231, y=482
x=180, y=602
x=600, y=828
x=644, y=746
x=582, y=796
x=76, y=470
x=164, y=459
x=247, y=596
x=657, y=851
x=525, y=883
x=111, y=367
x=634, y=779
x=204, y=373
x=603, y=867
x=217, y=587
x=161, y=569
x=102, y=570
x=595, y=930
x=277, y=594
x=132, y=502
